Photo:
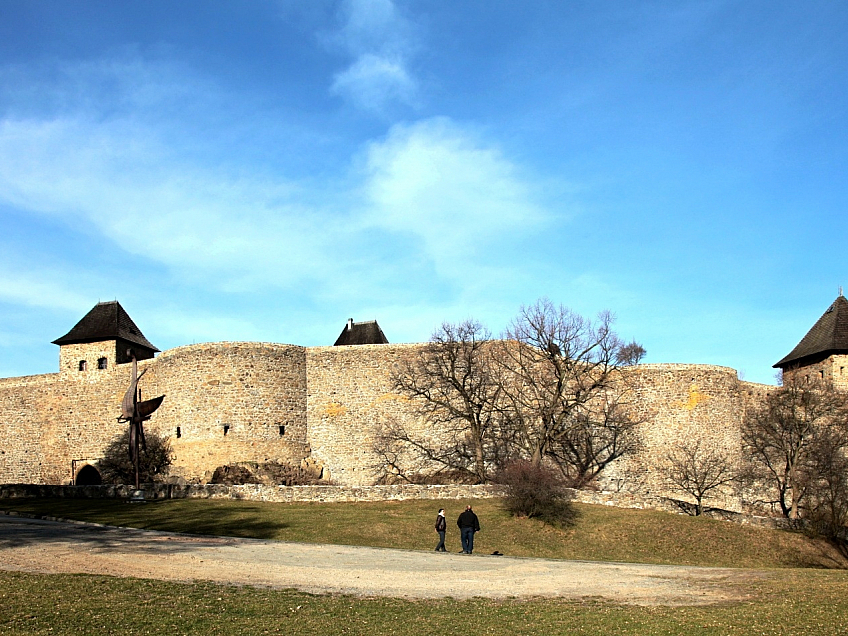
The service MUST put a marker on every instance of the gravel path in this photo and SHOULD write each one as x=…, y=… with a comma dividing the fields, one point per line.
x=31, y=545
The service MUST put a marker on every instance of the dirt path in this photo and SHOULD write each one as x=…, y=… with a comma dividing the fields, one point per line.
x=50, y=547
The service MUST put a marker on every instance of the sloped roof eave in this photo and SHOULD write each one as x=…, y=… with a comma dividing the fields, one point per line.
x=106, y=321
x=828, y=336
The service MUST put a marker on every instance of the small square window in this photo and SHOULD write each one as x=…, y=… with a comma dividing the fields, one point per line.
x=101, y=363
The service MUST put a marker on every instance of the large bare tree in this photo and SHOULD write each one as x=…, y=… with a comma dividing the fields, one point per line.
x=784, y=436
x=453, y=388
x=563, y=394
x=827, y=492
x=549, y=392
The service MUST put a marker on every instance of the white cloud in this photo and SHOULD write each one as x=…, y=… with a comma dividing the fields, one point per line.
x=120, y=179
x=370, y=25
x=372, y=82
x=455, y=193
x=45, y=288
x=380, y=41
x=425, y=205
x=432, y=183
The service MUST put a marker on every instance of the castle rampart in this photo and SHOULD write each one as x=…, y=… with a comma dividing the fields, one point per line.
x=224, y=402
x=230, y=402
x=350, y=396
x=239, y=401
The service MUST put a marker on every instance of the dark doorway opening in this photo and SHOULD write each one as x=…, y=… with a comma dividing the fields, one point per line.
x=88, y=476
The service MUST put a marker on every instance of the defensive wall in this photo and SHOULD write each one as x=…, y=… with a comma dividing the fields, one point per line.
x=225, y=402
x=239, y=401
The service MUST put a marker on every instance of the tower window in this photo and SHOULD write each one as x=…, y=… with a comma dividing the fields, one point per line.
x=83, y=365
x=179, y=433
x=282, y=430
x=226, y=429
x=101, y=363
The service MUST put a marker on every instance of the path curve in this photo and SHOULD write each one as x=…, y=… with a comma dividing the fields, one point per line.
x=32, y=545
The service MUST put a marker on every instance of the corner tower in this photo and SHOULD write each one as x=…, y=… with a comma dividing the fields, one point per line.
x=101, y=340
x=823, y=353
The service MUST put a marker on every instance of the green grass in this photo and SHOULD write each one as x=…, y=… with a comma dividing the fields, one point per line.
x=598, y=533
x=787, y=600
x=790, y=602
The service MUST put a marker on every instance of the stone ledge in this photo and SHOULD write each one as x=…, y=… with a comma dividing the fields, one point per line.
x=344, y=494
x=257, y=492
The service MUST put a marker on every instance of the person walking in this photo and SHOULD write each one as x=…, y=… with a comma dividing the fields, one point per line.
x=468, y=525
x=441, y=528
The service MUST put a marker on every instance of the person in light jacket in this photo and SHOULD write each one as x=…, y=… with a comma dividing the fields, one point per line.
x=441, y=528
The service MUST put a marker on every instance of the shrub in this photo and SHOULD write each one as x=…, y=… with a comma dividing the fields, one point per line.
x=535, y=491
x=116, y=467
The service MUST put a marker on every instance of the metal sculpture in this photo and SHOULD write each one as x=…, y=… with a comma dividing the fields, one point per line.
x=137, y=411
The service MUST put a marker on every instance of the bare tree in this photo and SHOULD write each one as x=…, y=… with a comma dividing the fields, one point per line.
x=563, y=395
x=452, y=387
x=597, y=436
x=630, y=354
x=550, y=391
x=698, y=470
x=827, y=492
x=782, y=435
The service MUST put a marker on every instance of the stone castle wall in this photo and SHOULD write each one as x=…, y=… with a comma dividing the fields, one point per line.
x=225, y=402
x=679, y=404
x=350, y=398
x=232, y=402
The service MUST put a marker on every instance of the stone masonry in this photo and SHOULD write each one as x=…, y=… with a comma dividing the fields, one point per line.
x=229, y=402
x=239, y=401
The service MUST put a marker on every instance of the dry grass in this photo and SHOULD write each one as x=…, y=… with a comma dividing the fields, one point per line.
x=596, y=533
x=790, y=602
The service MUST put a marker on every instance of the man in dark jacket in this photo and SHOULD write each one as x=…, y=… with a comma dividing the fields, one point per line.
x=468, y=525
x=441, y=528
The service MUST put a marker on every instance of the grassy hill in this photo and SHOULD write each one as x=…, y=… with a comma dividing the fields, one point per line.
x=788, y=600
x=596, y=533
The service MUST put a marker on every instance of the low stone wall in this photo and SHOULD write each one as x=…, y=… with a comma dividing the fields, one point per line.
x=628, y=500
x=339, y=494
x=257, y=492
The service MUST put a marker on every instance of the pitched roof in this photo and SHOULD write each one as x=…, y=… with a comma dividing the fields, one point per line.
x=360, y=333
x=829, y=335
x=107, y=321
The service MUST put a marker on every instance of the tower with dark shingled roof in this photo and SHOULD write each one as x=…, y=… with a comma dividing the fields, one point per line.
x=102, y=339
x=822, y=354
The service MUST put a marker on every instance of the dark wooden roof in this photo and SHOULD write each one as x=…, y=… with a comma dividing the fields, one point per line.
x=107, y=321
x=828, y=336
x=361, y=333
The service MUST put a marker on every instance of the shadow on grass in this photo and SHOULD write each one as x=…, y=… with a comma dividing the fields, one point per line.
x=818, y=553
x=189, y=517
x=16, y=532
x=250, y=522
x=826, y=554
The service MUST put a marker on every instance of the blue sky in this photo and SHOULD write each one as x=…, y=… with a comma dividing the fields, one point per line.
x=266, y=170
